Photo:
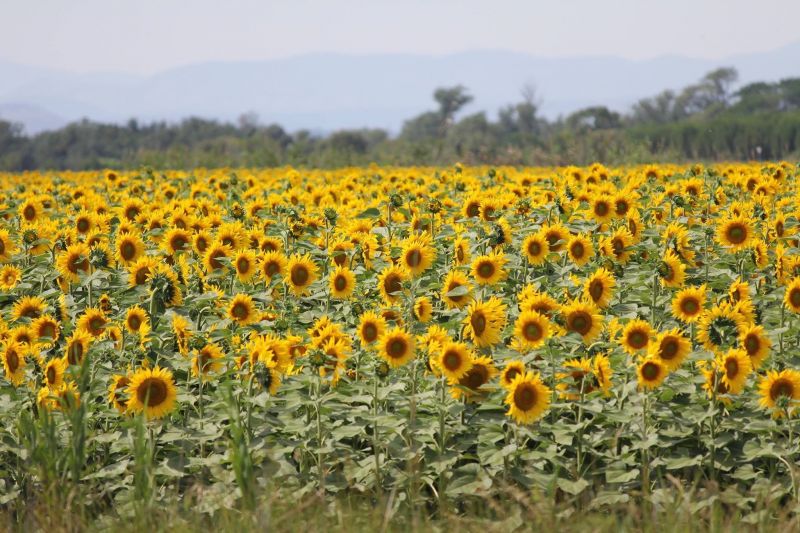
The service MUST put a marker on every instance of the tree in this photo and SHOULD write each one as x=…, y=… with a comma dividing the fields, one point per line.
x=451, y=100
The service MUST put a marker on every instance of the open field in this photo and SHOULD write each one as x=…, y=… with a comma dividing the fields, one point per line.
x=393, y=348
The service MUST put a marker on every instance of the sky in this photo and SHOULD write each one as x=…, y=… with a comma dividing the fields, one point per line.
x=147, y=36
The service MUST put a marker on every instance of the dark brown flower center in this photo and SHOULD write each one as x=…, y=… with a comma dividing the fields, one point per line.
x=152, y=392
x=525, y=397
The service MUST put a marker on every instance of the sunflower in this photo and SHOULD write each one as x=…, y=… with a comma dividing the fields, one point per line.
x=140, y=271
x=9, y=277
x=396, y=347
x=582, y=317
x=687, y=305
x=670, y=348
x=735, y=232
x=510, y=372
x=601, y=208
x=754, y=340
x=342, y=283
x=77, y=346
x=371, y=327
x=556, y=236
x=651, y=373
x=580, y=249
x=618, y=245
x=470, y=385
x=176, y=240
x=28, y=307
x=93, y=321
x=528, y=398
x=577, y=379
x=72, y=261
x=245, y=264
x=791, y=298
x=485, y=321
x=456, y=290
x=14, y=362
x=735, y=366
x=423, y=310
x=242, y=310
x=778, y=387
x=488, y=269
x=181, y=329
x=272, y=264
x=164, y=284
x=601, y=368
x=21, y=334
x=671, y=271
x=46, y=329
x=117, y=392
x=636, y=336
x=461, y=251
x=201, y=242
x=152, y=391
x=268, y=378
x=214, y=254
x=301, y=273
x=53, y=373
x=207, y=360
x=535, y=248
x=128, y=248
x=531, y=329
x=30, y=210
x=390, y=283
x=270, y=244
x=417, y=254
x=454, y=360
x=137, y=321
x=599, y=287
x=720, y=327
x=7, y=246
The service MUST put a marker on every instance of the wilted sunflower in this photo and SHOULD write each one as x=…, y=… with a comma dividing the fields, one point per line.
x=688, y=304
x=531, y=329
x=651, y=373
x=342, y=283
x=396, y=347
x=580, y=249
x=754, y=340
x=242, y=310
x=454, y=360
x=735, y=232
x=390, y=283
x=485, y=321
x=371, y=327
x=456, y=290
x=14, y=362
x=735, y=366
x=779, y=391
x=670, y=348
x=535, y=248
x=599, y=287
x=488, y=269
x=152, y=391
x=53, y=373
x=528, y=398
x=582, y=317
x=636, y=336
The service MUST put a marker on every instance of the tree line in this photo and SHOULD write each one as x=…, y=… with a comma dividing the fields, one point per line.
x=707, y=120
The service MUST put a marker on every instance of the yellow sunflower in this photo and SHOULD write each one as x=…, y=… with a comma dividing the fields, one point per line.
x=582, y=317
x=176, y=240
x=672, y=271
x=93, y=321
x=272, y=264
x=73, y=261
x=9, y=277
x=601, y=368
x=651, y=373
x=14, y=362
x=528, y=398
x=485, y=322
x=7, y=247
x=636, y=336
x=488, y=269
x=342, y=283
x=423, y=310
x=735, y=366
x=754, y=340
x=77, y=346
x=735, y=232
x=670, y=348
x=137, y=321
x=301, y=272
x=371, y=327
x=531, y=329
x=779, y=391
x=152, y=391
x=580, y=249
x=207, y=360
x=535, y=248
x=46, y=329
x=510, y=372
x=128, y=248
x=599, y=287
x=417, y=254
x=456, y=290
x=117, y=392
x=53, y=373
x=242, y=310
x=471, y=384
x=688, y=305
x=396, y=347
x=791, y=298
x=390, y=283
x=28, y=307
x=245, y=264
x=454, y=360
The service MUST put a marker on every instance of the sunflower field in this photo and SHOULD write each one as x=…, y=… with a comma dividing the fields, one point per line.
x=431, y=342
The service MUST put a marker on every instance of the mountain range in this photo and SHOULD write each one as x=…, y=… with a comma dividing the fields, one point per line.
x=323, y=92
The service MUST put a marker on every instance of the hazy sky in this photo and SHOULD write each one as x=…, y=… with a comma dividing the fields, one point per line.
x=145, y=36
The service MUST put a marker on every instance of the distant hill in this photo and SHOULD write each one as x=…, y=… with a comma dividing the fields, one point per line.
x=324, y=92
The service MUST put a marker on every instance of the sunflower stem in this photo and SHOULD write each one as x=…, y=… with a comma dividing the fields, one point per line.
x=375, y=448
x=320, y=453
x=645, y=450
x=442, y=437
